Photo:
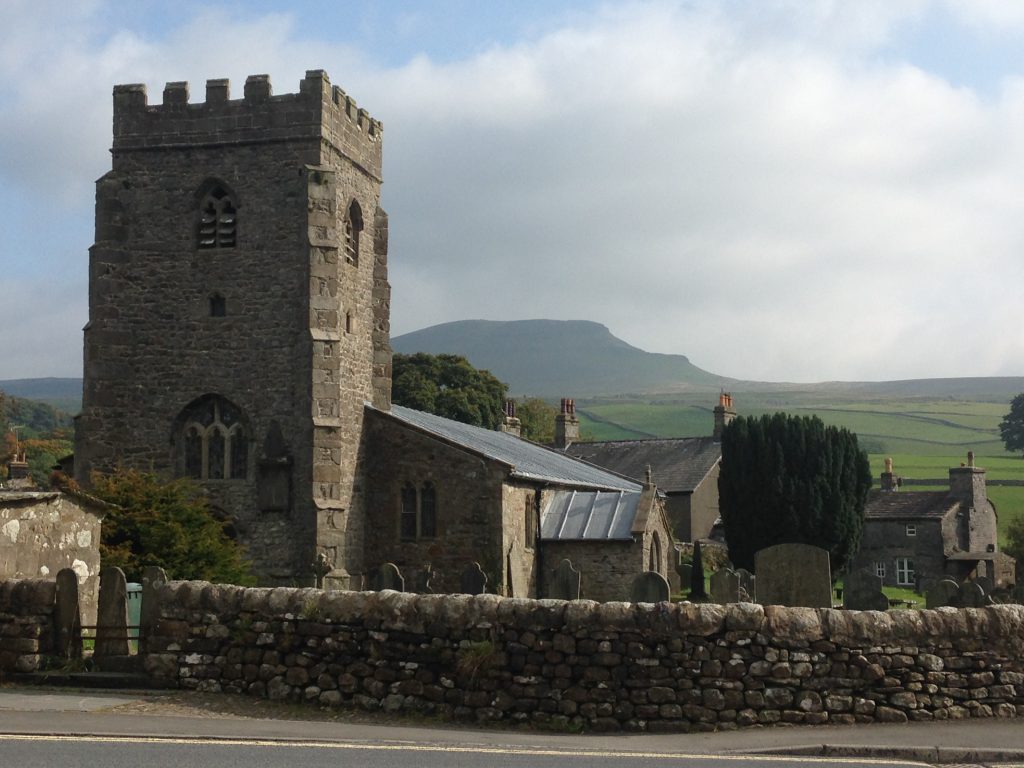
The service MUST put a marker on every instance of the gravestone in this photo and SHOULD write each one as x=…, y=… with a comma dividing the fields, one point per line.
x=698, y=592
x=565, y=582
x=420, y=578
x=153, y=577
x=67, y=616
x=796, y=575
x=112, y=615
x=685, y=571
x=946, y=592
x=862, y=591
x=649, y=587
x=985, y=583
x=972, y=595
x=514, y=568
x=388, y=577
x=725, y=586
x=748, y=591
x=473, y=580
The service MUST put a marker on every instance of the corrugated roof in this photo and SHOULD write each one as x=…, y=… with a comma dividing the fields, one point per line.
x=526, y=460
x=589, y=515
x=906, y=504
x=677, y=464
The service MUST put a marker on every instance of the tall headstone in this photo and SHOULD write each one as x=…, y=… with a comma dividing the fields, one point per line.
x=649, y=587
x=473, y=580
x=862, y=591
x=112, y=615
x=748, y=590
x=685, y=571
x=725, y=586
x=565, y=582
x=796, y=575
x=945, y=592
x=153, y=577
x=698, y=593
x=67, y=616
x=388, y=577
x=973, y=595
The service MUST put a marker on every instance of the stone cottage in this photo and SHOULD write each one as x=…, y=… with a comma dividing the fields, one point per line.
x=238, y=334
x=685, y=469
x=916, y=538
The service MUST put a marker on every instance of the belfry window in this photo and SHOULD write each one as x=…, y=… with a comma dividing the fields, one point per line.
x=353, y=228
x=215, y=441
x=218, y=220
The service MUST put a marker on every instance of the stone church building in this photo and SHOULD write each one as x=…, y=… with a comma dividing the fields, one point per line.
x=238, y=334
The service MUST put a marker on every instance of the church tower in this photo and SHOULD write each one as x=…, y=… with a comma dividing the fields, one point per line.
x=239, y=312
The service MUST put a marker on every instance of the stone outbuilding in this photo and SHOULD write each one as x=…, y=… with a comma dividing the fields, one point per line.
x=446, y=494
x=916, y=538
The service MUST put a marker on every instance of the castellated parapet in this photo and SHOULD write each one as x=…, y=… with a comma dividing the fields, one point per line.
x=319, y=109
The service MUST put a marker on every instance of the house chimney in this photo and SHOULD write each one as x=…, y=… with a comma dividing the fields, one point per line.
x=567, y=425
x=723, y=414
x=510, y=424
x=889, y=481
x=18, y=474
x=967, y=483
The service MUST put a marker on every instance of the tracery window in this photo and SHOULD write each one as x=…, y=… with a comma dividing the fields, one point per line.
x=218, y=219
x=353, y=228
x=215, y=440
x=419, y=512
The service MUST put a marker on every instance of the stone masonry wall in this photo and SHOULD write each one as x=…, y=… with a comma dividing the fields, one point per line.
x=26, y=623
x=581, y=664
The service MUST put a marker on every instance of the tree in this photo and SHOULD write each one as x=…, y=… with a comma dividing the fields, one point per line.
x=164, y=523
x=537, y=418
x=1011, y=428
x=791, y=479
x=1015, y=541
x=447, y=385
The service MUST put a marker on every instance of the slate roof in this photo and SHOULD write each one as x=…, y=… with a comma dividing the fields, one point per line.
x=909, y=504
x=678, y=465
x=589, y=516
x=526, y=460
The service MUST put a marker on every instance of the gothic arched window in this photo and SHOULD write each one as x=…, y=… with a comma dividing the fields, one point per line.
x=214, y=440
x=218, y=219
x=353, y=227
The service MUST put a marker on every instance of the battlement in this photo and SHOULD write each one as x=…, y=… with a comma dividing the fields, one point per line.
x=318, y=110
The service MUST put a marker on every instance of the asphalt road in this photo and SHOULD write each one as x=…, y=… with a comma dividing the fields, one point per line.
x=34, y=751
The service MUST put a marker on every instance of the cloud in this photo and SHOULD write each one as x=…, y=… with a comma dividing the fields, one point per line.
x=749, y=184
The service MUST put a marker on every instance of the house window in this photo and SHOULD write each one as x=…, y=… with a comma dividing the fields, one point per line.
x=880, y=569
x=214, y=440
x=353, y=227
x=218, y=220
x=904, y=571
x=911, y=530
x=419, y=512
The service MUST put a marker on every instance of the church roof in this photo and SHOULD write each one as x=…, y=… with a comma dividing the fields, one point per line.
x=909, y=504
x=526, y=460
x=678, y=465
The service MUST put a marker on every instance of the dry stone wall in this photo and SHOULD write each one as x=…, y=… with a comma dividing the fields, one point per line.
x=26, y=623
x=581, y=664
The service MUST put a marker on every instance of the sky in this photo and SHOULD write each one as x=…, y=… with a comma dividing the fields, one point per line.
x=782, y=190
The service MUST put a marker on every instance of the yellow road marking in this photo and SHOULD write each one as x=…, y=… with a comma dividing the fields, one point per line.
x=410, y=747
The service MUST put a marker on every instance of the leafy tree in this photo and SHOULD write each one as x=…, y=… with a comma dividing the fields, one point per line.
x=791, y=479
x=42, y=454
x=1015, y=542
x=448, y=386
x=1011, y=428
x=164, y=523
x=537, y=418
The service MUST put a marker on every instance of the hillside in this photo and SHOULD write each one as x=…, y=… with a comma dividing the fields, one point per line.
x=560, y=358
x=63, y=394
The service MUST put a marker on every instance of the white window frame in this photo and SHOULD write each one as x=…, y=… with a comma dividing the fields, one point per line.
x=880, y=569
x=911, y=529
x=905, y=574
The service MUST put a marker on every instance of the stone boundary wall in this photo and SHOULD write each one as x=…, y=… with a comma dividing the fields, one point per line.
x=26, y=623
x=586, y=665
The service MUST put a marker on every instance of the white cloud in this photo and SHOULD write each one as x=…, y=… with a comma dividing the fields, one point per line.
x=745, y=184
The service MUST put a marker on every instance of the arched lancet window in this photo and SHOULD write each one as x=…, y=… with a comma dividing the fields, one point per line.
x=419, y=512
x=214, y=440
x=655, y=555
x=218, y=218
x=353, y=228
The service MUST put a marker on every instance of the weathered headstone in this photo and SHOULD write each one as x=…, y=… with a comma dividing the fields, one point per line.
x=725, y=586
x=685, y=571
x=748, y=590
x=112, y=615
x=985, y=583
x=796, y=575
x=153, y=577
x=388, y=577
x=946, y=592
x=420, y=578
x=972, y=595
x=698, y=593
x=862, y=591
x=649, y=587
x=67, y=616
x=514, y=568
x=473, y=580
x=565, y=582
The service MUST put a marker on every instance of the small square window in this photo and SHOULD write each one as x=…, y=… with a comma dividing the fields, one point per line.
x=911, y=530
x=880, y=569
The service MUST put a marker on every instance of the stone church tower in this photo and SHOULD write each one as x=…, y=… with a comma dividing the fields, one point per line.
x=239, y=311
